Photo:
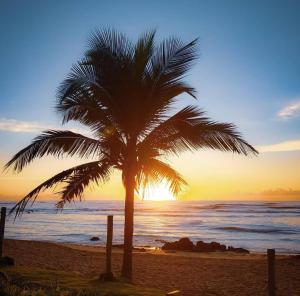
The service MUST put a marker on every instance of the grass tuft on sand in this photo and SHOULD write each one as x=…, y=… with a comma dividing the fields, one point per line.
x=41, y=282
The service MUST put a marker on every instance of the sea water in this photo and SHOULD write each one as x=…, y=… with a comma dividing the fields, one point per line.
x=252, y=225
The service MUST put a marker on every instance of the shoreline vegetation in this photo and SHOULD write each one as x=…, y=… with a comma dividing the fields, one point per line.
x=193, y=273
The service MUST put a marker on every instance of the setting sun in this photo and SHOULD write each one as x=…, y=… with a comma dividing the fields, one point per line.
x=158, y=192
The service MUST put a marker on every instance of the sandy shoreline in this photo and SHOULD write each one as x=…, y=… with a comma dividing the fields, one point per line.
x=192, y=273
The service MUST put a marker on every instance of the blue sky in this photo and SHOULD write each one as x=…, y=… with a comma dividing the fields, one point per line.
x=248, y=72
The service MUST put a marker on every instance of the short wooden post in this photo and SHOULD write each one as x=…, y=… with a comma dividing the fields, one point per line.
x=271, y=272
x=109, y=243
x=2, y=227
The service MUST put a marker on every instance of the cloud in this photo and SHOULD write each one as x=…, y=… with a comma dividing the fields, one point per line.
x=17, y=126
x=285, y=146
x=290, y=110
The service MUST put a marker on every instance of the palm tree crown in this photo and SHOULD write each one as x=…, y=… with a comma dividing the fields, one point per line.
x=124, y=92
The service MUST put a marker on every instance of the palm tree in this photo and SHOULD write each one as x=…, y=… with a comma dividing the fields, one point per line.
x=124, y=92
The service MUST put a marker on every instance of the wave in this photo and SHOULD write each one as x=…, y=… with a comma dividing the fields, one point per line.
x=253, y=230
x=285, y=207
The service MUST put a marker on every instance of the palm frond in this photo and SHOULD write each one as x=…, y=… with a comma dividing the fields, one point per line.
x=164, y=79
x=82, y=97
x=56, y=143
x=171, y=61
x=143, y=52
x=81, y=179
x=154, y=171
x=61, y=177
x=190, y=129
x=107, y=42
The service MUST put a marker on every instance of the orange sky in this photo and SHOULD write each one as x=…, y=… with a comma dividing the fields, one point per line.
x=210, y=175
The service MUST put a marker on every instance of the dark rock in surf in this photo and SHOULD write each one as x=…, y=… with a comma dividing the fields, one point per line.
x=238, y=250
x=184, y=244
x=94, y=238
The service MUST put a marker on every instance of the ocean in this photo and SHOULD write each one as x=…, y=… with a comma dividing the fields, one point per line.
x=252, y=225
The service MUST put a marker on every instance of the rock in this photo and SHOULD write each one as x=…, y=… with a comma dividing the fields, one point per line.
x=237, y=250
x=209, y=247
x=184, y=244
x=7, y=261
x=94, y=238
x=218, y=247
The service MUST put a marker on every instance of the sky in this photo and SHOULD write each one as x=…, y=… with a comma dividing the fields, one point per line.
x=248, y=73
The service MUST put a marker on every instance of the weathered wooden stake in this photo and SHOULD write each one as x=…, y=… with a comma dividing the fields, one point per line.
x=271, y=272
x=2, y=227
x=109, y=243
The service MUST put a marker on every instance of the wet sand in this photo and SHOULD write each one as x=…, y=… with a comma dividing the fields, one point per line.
x=195, y=274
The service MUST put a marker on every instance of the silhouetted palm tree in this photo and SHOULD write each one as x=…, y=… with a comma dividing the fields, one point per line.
x=124, y=92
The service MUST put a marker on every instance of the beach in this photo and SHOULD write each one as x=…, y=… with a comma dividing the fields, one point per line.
x=192, y=273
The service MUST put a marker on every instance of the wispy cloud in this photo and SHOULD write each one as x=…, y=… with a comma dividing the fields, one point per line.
x=17, y=126
x=290, y=110
x=293, y=145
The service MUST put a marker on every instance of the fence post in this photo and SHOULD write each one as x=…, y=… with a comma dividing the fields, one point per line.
x=109, y=243
x=271, y=272
x=108, y=275
x=2, y=227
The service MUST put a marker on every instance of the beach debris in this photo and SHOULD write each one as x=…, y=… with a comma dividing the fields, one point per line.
x=184, y=244
x=173, y=293
x=139, y=249
x=94, y=238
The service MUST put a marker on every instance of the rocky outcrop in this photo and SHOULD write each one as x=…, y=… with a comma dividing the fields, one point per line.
x=94, y=238
x=209, y=247
x=184, y=244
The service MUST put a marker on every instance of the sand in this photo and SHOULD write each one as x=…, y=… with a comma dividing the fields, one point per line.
x=192, y=273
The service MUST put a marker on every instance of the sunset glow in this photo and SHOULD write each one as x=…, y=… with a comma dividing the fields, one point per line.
x=158, y=192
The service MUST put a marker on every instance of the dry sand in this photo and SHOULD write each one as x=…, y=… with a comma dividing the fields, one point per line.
x=193, y=273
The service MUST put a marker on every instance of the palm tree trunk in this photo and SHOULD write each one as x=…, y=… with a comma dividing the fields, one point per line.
x=128, y=228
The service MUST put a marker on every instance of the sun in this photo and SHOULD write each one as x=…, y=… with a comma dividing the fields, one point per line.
x=158, y=192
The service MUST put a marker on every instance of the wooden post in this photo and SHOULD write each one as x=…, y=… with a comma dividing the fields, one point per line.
x=109, y=243
x=2, y=227
x=271, y=272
